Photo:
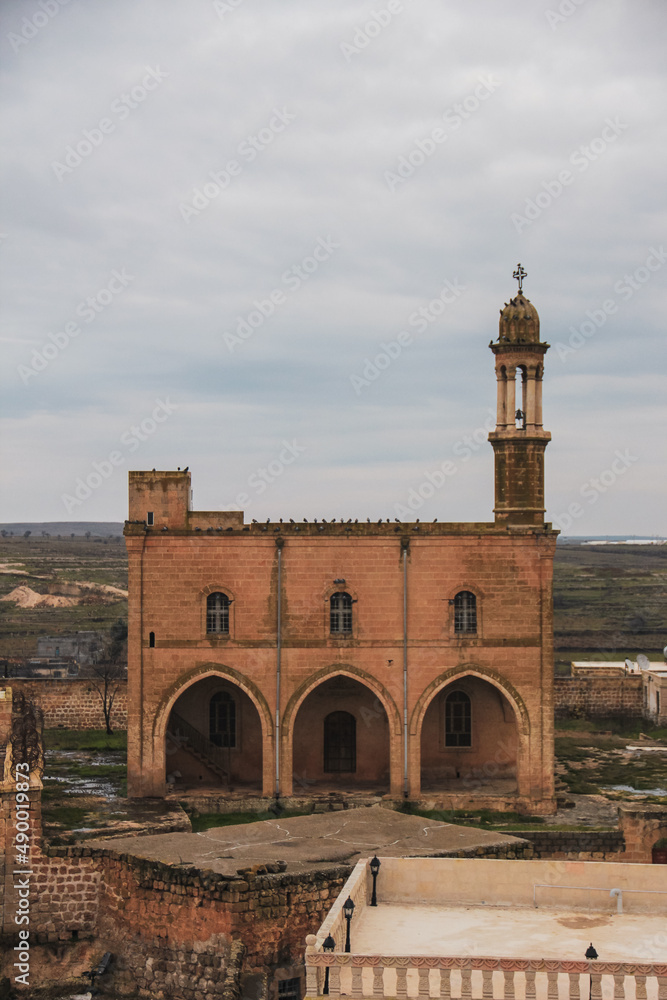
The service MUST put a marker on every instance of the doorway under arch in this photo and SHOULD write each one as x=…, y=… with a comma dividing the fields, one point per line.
x=469, y=740
x=214, y=738
x=341, y=739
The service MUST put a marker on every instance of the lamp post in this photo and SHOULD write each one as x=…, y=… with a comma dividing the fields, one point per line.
x=375, y=868
x=327, y=945
x=348, y=910
x=591, y=954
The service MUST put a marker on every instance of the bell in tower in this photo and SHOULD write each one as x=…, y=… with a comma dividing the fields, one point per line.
x=519, y=439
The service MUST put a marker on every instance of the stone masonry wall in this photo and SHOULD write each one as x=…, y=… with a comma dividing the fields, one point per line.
x=73, y=704
x=597, y=696
x=642, y=826
x=165, y=909
x=579, y=845
x=175, y=932
x=63, y=892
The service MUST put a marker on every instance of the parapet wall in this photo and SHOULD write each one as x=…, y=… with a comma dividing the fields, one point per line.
x=553, y=884
x=598, y=696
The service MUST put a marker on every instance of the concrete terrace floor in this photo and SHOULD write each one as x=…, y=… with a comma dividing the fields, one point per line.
x=508, y=932
x=305, y=843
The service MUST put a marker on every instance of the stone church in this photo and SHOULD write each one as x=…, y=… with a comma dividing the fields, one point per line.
x=409, y=660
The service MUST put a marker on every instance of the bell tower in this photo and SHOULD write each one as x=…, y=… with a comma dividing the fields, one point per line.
x=519, y=439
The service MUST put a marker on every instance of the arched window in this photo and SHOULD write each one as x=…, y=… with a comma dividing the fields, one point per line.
x=340, y=742
x=222, y=720
x=151, y=639
x=340, y=614
x=217, y=613
x=465, y=612
x=458, y=727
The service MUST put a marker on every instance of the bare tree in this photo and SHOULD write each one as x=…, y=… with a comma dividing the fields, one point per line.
x=27, y=732
x=111, y=670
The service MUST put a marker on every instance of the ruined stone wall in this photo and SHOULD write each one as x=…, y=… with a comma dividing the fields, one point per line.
x=642, y=825
x=73, y=704
x=175, y=932
x=163, y=909
x=598, y=696
x=62, y=891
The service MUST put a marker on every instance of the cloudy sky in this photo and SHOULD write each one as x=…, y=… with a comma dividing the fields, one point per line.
x=218, y=216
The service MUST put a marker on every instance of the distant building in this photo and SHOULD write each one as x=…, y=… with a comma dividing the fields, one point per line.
x=85, y=648
x=655, y=692
x=47, y=667
x=652, y=673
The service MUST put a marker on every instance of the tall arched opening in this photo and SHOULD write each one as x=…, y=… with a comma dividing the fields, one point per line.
x=214, y=738
x=341, y=739
x=469, y=740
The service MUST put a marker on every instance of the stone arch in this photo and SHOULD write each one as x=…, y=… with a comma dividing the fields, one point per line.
x=234, y=677
x=506, y=691
x=327, y=673
x=470, y=670
x=389, y=710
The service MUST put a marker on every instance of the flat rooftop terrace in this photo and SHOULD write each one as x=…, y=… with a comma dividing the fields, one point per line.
x=509, y=932
x=487, y=929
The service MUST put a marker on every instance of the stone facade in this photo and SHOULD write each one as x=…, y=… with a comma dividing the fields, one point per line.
x=73, y=704
x=434, y=674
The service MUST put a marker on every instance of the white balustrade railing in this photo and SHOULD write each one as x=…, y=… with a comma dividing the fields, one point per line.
x=356, y=888
x=369, y=976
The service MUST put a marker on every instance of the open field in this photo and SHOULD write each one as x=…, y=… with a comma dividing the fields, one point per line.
x=610, y=601
x=47, y=566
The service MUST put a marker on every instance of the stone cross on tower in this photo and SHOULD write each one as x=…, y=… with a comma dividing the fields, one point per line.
x=520, y=274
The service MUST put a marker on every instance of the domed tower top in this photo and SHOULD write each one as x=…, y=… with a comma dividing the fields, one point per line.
x=519, y=322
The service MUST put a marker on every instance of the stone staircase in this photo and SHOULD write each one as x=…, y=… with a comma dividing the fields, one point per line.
x=184, y=735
